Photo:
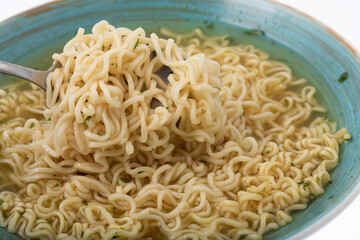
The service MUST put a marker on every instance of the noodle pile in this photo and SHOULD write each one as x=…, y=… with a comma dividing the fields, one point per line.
x=228, y=153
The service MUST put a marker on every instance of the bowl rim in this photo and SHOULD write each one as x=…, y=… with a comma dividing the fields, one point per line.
x=354, y=193
x=339, y=206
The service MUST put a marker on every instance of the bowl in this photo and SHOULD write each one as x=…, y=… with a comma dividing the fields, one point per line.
x=311, y=49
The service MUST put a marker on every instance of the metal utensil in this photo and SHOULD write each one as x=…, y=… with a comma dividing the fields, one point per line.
x=39, y=77
x=34, y=76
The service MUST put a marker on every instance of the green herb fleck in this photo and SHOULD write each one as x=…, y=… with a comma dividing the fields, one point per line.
x=301, y=182
x=331, y=197
x=87, y=119
x=218, y=88
x=140, y=172
x=312, y=195
x=84, y=201
x=208, y=25
x=32, y=125
x=49, y=119
x=330, y=182
x=56, y=185
x=137, y=43
x=317, y=110
x=202, y=110
x=255, y=32
x=122, y=228
x=306, y=184
x=317, y=178
x=167, y=108
x=292, y=164
x=122, y=179
x=82, y=234
x=54, y=175
x=215, y=134
x=1, y=201
x=343, y=77
x=123, y=36
x=115, y=236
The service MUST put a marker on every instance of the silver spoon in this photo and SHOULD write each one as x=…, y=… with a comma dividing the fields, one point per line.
x=39, y=77
x=34, y=76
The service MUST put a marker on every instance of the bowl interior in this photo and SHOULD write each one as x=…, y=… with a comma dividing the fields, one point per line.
x=309, y=49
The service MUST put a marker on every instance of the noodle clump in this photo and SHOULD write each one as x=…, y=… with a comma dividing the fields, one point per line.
x=228, y=152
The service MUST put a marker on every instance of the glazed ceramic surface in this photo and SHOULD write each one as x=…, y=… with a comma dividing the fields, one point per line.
x=313, y=52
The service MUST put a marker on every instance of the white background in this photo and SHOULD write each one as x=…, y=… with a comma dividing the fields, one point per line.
x=342, y=16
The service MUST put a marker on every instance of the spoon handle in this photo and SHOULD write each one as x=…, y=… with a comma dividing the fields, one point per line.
x=31, y=75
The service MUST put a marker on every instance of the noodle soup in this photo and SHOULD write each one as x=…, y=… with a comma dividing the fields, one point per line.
x=233, y=149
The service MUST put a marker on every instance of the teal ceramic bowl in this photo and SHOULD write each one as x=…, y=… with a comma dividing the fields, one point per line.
x=310, y=48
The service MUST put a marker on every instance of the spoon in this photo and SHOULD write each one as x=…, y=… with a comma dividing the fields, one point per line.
x=34, y=76
x=39, y=77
